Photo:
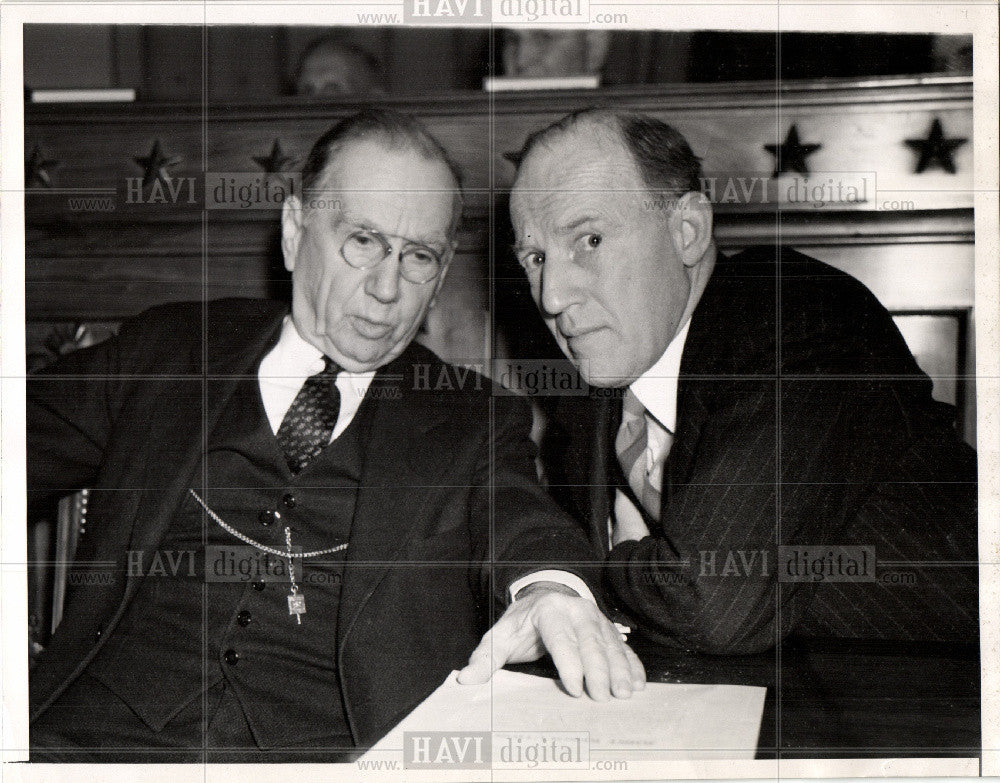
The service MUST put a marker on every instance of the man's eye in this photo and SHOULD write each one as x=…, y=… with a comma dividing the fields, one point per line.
x=422, y=257
x=533, y=261
x=594, y=240
x=361, y=243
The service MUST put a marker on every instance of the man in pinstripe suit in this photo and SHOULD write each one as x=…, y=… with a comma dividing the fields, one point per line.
x=758, y=440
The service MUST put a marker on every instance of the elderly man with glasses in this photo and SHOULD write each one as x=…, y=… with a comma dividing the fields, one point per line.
x=338, y=537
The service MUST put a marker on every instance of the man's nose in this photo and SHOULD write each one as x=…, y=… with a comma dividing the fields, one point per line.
x=382, y=282
x=560, y=285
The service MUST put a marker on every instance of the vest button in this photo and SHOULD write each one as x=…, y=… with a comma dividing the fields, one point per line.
x=258, y=586
x=267, y=517
x=243, y=618
x=231, y=657
x=288, y=500
x=98, y=634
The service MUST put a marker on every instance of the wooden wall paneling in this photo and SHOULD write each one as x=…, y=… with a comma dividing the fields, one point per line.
x=232, y=147
x=935, y=340
x=244, y=63
x=232, y=144
x=93, y=265
x=736, y=228
x=109, y=271
x=286, y=84
x=225, y=234
x=182, y=237
x=726, y=56
x=931, y=286
x=53, y=299
x=434, y=48
x=67, y=56
x=472, y=57
x=640, y=57
x=115, y=273
x=862, y=144
x=911, y=277
x=636, y=57
x=173, y=64
x=101, y=154
x=127, y=56
x=113, y=291
x=110, y=291
x=862, y=131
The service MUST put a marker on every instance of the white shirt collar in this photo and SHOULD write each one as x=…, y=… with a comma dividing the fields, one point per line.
x=656, y=388
x=297, y=358
x=284, y=369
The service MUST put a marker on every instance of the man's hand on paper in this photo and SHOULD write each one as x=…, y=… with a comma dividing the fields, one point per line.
x=585, y=646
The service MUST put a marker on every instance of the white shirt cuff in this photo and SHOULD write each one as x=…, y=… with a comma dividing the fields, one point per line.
x=572, y=581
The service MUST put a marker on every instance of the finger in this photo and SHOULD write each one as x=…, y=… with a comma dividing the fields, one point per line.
x=593, y=654
x=485, y=660
x=627, y=671
x=619, y=669
x=637, y=670
x=566, y=657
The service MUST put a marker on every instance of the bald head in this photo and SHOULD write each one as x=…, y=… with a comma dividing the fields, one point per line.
x=663, y=156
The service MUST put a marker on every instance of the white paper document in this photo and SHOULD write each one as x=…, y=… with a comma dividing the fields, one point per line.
x=519, y=720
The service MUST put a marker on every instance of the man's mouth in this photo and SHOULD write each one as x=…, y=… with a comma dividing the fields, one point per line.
x=372, y=330
x=576, y=332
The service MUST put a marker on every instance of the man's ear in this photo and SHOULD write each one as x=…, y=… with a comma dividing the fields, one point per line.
x=292, y=216
x=691, y=227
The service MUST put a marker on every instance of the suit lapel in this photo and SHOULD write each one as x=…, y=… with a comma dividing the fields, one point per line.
x=601, y=481
x=180, y=425
x=691, y=415
x=406, y=445
x=578, y=453
x=705, y=353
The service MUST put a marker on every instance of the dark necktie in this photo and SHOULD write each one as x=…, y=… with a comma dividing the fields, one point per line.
x=308, y=425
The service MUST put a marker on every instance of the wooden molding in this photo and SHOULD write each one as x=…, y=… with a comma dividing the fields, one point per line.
x=109, y=263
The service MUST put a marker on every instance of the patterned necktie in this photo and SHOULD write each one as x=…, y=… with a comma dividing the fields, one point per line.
x=643, y=471
x=308, y=425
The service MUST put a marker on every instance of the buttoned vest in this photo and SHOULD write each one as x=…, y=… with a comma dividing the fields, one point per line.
x=212, y=606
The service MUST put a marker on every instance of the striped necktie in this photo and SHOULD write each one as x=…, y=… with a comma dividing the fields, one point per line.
x=639, y=460
x=309, y=423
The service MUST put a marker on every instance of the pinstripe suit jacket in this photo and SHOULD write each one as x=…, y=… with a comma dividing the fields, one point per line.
x=803, y=421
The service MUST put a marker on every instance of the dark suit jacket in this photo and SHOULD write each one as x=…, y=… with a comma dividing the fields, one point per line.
x=803, y=420
x=448, y=478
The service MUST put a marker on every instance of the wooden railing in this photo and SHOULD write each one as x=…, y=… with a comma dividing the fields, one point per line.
x=103, y=245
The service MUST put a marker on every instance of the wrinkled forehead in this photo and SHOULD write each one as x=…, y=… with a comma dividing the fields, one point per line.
x=378, y=164
x=572, y=172
x=391, y=185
